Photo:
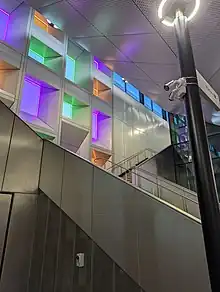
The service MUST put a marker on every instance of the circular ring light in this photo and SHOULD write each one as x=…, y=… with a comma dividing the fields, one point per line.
x=171, y=23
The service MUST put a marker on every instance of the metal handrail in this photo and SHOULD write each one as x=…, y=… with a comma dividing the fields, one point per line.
x=185, y=198
x=136, y=154
x=130, y=158
x=163, y=179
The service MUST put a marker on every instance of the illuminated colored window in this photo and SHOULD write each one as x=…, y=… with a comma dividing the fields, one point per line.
x=67, y=110
x=72, y=106
x=38, y=21
x=95, y=126
x=157, y=110
x=45, y=136
x=148, y=102
x=37, y=50
x=96, y=64
x=95, y=87
x=119, y=81
x=43, y=54
x=38, y=103
x=133, y=91
x=30, y=97
x=36, y=56
x=102, y=67
x=101, y=129
x=70, y=68
x=4, y=20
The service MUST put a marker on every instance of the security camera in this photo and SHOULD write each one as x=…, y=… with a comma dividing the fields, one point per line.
x=168, y=85
x=177, y=93
x=177, y=87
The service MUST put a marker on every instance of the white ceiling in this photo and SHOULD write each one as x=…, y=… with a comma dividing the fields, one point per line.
x=127, y=35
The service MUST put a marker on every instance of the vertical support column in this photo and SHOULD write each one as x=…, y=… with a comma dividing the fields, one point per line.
x=205, y=180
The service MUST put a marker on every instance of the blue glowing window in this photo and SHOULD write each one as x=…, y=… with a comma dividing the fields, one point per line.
x=118, y=81
x=36, y=56
x=67, y=110
x=157, y=110
x=70, y=68
x=148, y=102
x=133, y=91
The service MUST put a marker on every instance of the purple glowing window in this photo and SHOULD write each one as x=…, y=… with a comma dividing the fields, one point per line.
x=98, y=118
x=4, y=20
x=101, y=67
x=30, y=97
x=94, y=126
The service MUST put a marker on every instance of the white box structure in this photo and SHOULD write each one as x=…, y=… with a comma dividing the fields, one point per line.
x=67, y=95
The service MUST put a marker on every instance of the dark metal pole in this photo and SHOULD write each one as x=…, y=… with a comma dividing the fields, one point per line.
x=205, y=180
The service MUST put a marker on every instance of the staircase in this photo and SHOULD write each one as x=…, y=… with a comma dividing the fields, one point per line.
x=67, y=225
x=131, y=161
x=178, y=196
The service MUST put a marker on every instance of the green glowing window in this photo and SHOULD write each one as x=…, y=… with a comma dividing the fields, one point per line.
x=41, y=53
x=45, y=136
x=71, y=106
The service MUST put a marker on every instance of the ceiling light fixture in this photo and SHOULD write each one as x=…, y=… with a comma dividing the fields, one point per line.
x=168, y=22
x=52, y=24
x=48, y=21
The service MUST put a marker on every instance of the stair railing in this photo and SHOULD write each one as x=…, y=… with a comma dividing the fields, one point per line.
x=175, y=195
x=132, y=161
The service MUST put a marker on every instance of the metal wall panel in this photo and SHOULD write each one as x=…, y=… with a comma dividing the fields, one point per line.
x=37, y=70
x=39, y=244
x=48, y=40
x=51, y=249
x=52, y=171
x=102, y=271
x=66, y=264
x=6, y=122
x=23, y=166
x=84, y=68
x=10, y=56
x=124, y=283
x=17, y=28
x=77, y=190
x=101, y=105
x=71, y=89
x=82, y=275
x=115, y=220
x=17, y=260
x=171, y=249
x=5, y=201
x=158, y=164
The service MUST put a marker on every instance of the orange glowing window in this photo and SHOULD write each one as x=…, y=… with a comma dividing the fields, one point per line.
x=95, y=87
x=40, y=21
